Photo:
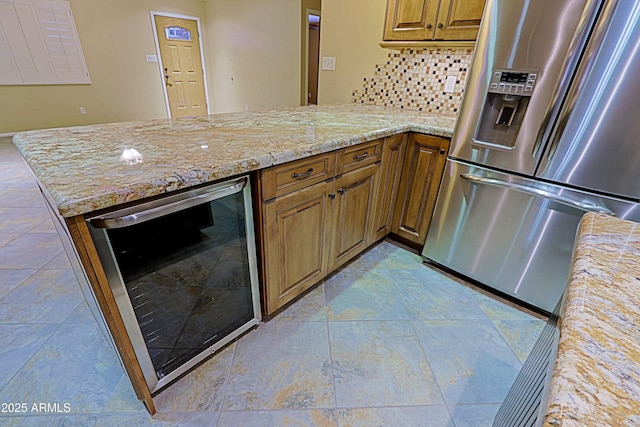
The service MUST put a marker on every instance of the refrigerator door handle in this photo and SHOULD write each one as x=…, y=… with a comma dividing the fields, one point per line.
x=582, y=73
x=537, y=192
x=589, y=15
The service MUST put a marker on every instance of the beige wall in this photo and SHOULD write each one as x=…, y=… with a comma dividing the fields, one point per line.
x=255, y=42
x=254, y=54
x=115, y=36
x=351, y=32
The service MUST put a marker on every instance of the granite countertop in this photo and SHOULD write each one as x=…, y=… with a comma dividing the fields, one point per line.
x=81, y=167
x=596, y=379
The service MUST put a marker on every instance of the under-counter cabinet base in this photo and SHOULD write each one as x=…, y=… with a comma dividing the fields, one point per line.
x=423, y=167
x=323, y=219
x=390, y=172
x=353, y=213
x=296, y=231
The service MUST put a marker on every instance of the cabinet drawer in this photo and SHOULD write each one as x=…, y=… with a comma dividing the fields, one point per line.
x=283, y=179
x=359, y=155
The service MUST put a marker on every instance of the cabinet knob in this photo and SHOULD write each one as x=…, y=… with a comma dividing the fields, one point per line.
x=341, y=191
x=442, y=151
x=440, y=25
x=332, y=196
x=429, y=26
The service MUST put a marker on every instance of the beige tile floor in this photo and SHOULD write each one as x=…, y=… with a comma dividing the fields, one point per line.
x=386, y=341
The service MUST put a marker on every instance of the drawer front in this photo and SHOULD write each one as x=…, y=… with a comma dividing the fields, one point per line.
x=359, y=155
x=283, y=179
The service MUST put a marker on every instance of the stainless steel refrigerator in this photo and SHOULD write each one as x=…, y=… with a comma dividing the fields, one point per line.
x=549, y=128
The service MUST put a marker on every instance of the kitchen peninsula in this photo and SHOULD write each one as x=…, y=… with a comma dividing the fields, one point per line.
x=90, y=170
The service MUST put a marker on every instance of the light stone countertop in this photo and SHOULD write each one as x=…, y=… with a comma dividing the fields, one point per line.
x=596, y=378
x=80, y=167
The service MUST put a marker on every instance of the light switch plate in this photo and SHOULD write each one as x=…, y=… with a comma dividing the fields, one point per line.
x=329, y=63
x=450, y=84
x=152, y=58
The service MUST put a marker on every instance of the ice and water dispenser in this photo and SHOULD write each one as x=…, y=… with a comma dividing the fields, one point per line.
x=506, y=103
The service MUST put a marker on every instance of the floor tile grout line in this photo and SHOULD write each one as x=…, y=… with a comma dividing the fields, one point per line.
x=426, y=357
x=226, y=380
x=505, y=340
x=333, y=372
x=74, y=308
x=35, y=271
x=33, y=353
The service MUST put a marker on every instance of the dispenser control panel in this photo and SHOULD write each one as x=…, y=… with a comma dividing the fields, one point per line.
x=513, y=82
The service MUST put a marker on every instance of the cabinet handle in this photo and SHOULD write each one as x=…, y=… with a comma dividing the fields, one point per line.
x=341, y=191
x=429, y=26
x=361, y=156
x=303, y=174
x=332, y=196
x=442, y=151
x=440, y=25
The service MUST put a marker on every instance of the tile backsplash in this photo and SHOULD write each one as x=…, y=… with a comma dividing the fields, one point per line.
x=414, y=80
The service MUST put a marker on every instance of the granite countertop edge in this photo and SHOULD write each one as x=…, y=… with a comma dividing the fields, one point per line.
x=80, y=167
x=596, y=376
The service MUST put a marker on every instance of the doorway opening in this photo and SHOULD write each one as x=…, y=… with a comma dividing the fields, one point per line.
x=313, y=55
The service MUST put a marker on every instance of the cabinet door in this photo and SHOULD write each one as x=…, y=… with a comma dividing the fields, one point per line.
x=410, y=19
x=296, y=233
x=353, y=222
x=422, y=171
x=390, y=172
x=459, y=19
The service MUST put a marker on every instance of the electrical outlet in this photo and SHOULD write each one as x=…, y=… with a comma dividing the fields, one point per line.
x=329, y=63
x=450, y=84
x=83, y=110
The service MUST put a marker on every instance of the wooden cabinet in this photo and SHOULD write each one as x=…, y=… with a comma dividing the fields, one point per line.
x=296, y=231
x=390, y=171
x=315, y=215
x=353, y=213
x=421, y=175
x=318, y=213
x=432, y=20
x=459, y=19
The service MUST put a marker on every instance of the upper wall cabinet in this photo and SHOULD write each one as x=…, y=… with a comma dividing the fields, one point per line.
x=432, y=20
